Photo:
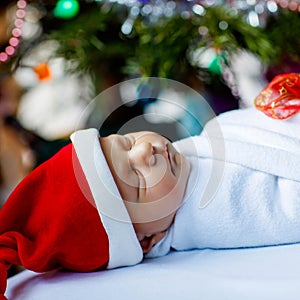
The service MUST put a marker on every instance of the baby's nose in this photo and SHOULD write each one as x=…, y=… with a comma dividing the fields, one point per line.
x=143, y=152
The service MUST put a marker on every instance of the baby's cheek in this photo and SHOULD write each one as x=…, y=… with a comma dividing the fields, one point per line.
x=157, y=173
x=166, y=189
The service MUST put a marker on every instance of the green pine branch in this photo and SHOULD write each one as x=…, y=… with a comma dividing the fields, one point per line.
x=93, y=41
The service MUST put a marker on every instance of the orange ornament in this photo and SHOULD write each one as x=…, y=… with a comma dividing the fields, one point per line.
x=43, y=71
x=280, y=99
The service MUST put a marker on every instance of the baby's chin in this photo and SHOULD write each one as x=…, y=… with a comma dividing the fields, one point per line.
x=152, y=227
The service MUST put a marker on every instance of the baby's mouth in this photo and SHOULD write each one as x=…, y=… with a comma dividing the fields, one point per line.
x=170, y=157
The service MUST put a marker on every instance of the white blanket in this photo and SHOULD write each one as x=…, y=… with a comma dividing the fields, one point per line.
x=256, y=202
x=270, y=273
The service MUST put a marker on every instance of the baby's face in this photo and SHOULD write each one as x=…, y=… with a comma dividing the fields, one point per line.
x=151, y=177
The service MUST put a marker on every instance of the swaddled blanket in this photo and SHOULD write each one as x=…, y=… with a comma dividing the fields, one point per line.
x=244, y=187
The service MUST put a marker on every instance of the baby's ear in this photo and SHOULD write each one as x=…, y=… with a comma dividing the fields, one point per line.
x=147, y=242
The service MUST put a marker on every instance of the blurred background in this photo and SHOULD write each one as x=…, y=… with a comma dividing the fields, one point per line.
x=56, y=56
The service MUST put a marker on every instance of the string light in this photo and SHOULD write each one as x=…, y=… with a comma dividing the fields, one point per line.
x=292, y=5
x=16, y=32
x=255, y=11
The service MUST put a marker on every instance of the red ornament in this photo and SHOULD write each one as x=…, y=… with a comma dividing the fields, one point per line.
x=280, y=99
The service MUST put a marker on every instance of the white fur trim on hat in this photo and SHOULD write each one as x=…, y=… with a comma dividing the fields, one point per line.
x=124, y=247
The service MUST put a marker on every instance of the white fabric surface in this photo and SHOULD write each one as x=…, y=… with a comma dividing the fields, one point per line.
x=256, y=273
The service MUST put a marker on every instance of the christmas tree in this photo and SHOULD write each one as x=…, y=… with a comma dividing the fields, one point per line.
x=158, y=38
x=113, y=40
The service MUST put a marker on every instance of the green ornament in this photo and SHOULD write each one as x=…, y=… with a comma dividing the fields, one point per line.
x=66, y=9
x=214, y=66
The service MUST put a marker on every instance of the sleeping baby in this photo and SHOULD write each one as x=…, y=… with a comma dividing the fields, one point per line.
x=243, y=186
x=240, y=178
x=102, y=203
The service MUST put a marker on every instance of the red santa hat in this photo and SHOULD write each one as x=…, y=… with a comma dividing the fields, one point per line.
x=68, y=213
